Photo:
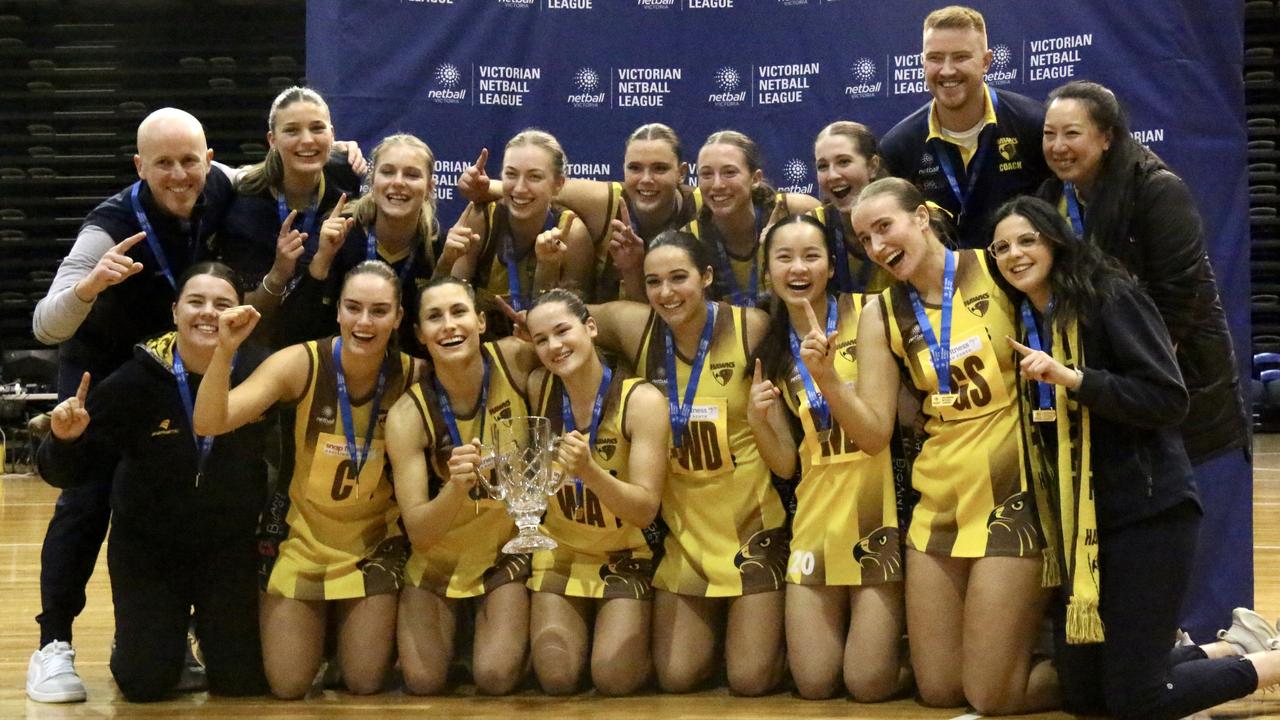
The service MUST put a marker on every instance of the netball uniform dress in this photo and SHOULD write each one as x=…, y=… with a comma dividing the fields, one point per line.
x=974, y=499
x=727, y=526
x=739, y=279
x=342, y=534
x=468, y=560
x=845, y=530
x=608, y=284
x=598, y=554
x=854, y=272
x=493, y=273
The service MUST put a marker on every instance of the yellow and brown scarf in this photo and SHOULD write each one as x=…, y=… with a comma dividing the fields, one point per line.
x=1065, y=492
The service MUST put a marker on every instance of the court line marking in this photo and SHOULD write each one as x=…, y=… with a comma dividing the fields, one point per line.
x=966, y=716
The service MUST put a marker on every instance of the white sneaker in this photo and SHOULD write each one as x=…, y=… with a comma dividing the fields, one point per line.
x=1249, y=632
x=51, y=674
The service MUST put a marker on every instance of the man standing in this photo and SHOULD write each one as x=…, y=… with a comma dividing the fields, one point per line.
x=972, y=147
x=115, y=287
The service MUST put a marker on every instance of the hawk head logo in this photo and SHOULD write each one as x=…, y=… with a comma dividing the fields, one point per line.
x=1008, y=147
x=723, y=375
x=979, y=305
x=850, y=352
x=607, y=449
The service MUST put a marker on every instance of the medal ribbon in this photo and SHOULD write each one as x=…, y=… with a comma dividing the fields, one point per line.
x=358, y=457
x=939, y=350
x=975, y=165
x=371, y=253
x=817, y=403
x=1044, y=389
x=571, y=423
x=740, y=298
x=1073, y=209
x=204, y=445
x=153, y=241
x=446, y=407
x=518, y=302
x=679, y=411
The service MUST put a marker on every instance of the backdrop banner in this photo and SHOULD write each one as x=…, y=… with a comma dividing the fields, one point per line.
x=467, y=74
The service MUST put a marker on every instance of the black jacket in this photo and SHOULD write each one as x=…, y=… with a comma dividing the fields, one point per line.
x=1157, y=236
x=1136, y=399
x=138, y=424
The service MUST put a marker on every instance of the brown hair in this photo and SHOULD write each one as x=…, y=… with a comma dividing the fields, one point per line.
x=270, y=172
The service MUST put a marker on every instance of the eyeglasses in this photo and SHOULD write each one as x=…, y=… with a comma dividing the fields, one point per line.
x=1025, y=241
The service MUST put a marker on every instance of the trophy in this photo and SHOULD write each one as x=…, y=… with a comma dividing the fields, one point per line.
x=524, y=449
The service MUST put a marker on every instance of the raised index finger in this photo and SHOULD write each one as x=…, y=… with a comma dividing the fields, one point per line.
x=1023, y=350
x=82, y=392
x=811, y=315
x=337, y=209
x=124, y=245
x=759, y=375
x=623, y=213
x=483, y=158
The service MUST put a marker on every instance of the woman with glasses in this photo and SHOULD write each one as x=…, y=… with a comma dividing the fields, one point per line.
x=1101, y=401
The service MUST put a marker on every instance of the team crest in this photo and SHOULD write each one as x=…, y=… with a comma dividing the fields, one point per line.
x=1012, y=523
x=879, y=555
x=1008, y=147
x=606, y=448
x=850, y=352
x=722, y=372
x=762, y=559
x=978, y=305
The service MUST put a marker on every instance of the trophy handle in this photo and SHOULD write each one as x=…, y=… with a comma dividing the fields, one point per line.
x=486, y=475
x=556, y=475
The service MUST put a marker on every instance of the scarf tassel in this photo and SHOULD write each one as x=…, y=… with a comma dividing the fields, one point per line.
x=1084, y=624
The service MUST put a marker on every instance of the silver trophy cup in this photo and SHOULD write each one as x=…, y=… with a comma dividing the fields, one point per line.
x=524, y=449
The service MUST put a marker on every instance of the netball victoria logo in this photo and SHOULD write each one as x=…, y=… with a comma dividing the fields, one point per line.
x=448, y=80
x=586, y=81
x=866, y=82
x=1001, y=72
x=729, y=84
x=795, y=171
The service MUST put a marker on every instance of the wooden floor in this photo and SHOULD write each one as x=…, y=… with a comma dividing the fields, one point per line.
x=26, y=504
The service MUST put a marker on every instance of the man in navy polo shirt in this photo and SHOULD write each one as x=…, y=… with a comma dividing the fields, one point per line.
x=972, y=147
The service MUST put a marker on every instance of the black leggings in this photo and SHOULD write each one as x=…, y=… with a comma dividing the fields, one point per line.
x=1144, y=570
x=155, y=586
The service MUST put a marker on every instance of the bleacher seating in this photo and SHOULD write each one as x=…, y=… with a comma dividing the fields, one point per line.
x=75, y=79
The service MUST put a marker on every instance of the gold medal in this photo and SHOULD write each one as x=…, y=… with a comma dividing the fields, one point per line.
x=1047, y=415
x=944, y=399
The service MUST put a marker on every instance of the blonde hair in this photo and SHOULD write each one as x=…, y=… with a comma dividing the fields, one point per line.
x=365, y=209
x=546, y=141
x=270, y=172
x=957, y=17
x=751, y=151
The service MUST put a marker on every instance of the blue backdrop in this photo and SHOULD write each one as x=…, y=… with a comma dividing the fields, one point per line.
x=466, y=74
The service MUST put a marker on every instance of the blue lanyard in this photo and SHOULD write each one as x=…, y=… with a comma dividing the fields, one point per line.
x=680, y=412
x=446, y=407
x=975, y=166
x=817, y=403
x=204, y=445
x=571, y=423
x=358, y=458
x=1073, y=209
x=518, y=302
x=1033, y=340
x=307, y=226
x=740, y=298
x=839, y=253
x=153, y=241
x=371, y=253
x=939, y=351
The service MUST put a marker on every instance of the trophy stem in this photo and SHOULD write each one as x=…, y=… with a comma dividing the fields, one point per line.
x=528, y=539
